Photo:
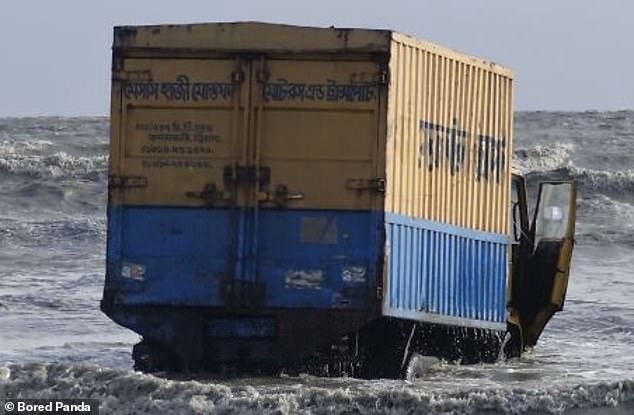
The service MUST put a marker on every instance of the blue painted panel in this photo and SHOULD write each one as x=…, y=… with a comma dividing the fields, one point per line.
x=184, y=256
x=348, y=240
x=444, y=273
x=181, y=254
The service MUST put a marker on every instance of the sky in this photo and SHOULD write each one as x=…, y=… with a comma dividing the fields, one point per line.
x=571, y=55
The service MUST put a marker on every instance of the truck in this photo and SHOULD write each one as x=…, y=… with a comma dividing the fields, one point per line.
x=322, y=200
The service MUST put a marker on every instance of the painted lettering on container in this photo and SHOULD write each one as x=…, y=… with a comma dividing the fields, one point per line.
x=331, y=91
x=180, y=164
x=176, y=138
x=166, y=149
x=490, y=161
x=439, y=141
x=182, y=89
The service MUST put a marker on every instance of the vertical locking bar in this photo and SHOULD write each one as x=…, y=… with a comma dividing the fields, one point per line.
x=262, y=77
x=241, y=194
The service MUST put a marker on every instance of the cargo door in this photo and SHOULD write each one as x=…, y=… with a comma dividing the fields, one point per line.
x=316, y=218
x=174, y=193
x=548, y=264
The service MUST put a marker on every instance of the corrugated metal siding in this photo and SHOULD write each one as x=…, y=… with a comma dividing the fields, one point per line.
x=445, y=274
x=449, y=146
x=449, y=137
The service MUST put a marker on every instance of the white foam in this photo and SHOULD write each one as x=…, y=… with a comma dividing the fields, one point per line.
x=60, y=164
x=604, y=179
x=541, y=158
x=130, y=392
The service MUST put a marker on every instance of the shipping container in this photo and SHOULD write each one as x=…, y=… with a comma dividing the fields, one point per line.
x=274, y=189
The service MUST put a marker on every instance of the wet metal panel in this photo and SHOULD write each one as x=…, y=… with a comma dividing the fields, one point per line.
x=445, y=274
x=184, y=256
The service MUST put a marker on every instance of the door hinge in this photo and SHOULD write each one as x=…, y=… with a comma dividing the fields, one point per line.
x=126, y=182
x=237, y=77
x=384, y=77
x=262, y=76
x=372, y=185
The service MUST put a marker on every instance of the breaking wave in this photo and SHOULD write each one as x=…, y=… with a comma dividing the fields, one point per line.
x=125, y=392
x=542, y=157
x=590, y=180
x=12, y=147
x=603, y=179
x=59, y=232
x=59, y=164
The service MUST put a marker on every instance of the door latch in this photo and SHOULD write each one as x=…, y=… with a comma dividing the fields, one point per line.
x=210, y=194
x=281, y=196
x=372, y=185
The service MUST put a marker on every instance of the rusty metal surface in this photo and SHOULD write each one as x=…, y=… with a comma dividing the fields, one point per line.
x=251, y=36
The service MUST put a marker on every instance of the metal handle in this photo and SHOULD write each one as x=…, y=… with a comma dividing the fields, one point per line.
x=210, y=194
x=280, y=196
x=374, y=185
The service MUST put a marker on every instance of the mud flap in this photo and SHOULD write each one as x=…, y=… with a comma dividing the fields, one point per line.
x=543, y=289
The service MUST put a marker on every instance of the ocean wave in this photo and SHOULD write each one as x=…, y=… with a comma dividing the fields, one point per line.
x=22, y=146
x=589, y=180
x=604, y=179
x=126, y=392
x=542, y=157
x=605, y=218
x=58, y=231
x=57, y=165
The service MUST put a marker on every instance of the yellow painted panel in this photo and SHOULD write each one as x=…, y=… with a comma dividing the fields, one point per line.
x=317, y=83
x=318, y=132
x=164, y=133
x=177, y=151
x=176, y=83
x=309, y=134
x=321, y=184
x=176, y=125
x=450, y=118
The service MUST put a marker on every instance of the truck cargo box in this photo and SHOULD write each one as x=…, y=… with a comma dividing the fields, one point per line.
x=347, y=175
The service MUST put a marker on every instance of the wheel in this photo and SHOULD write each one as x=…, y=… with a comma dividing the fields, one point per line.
x=418, y=366
x=151, y=356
